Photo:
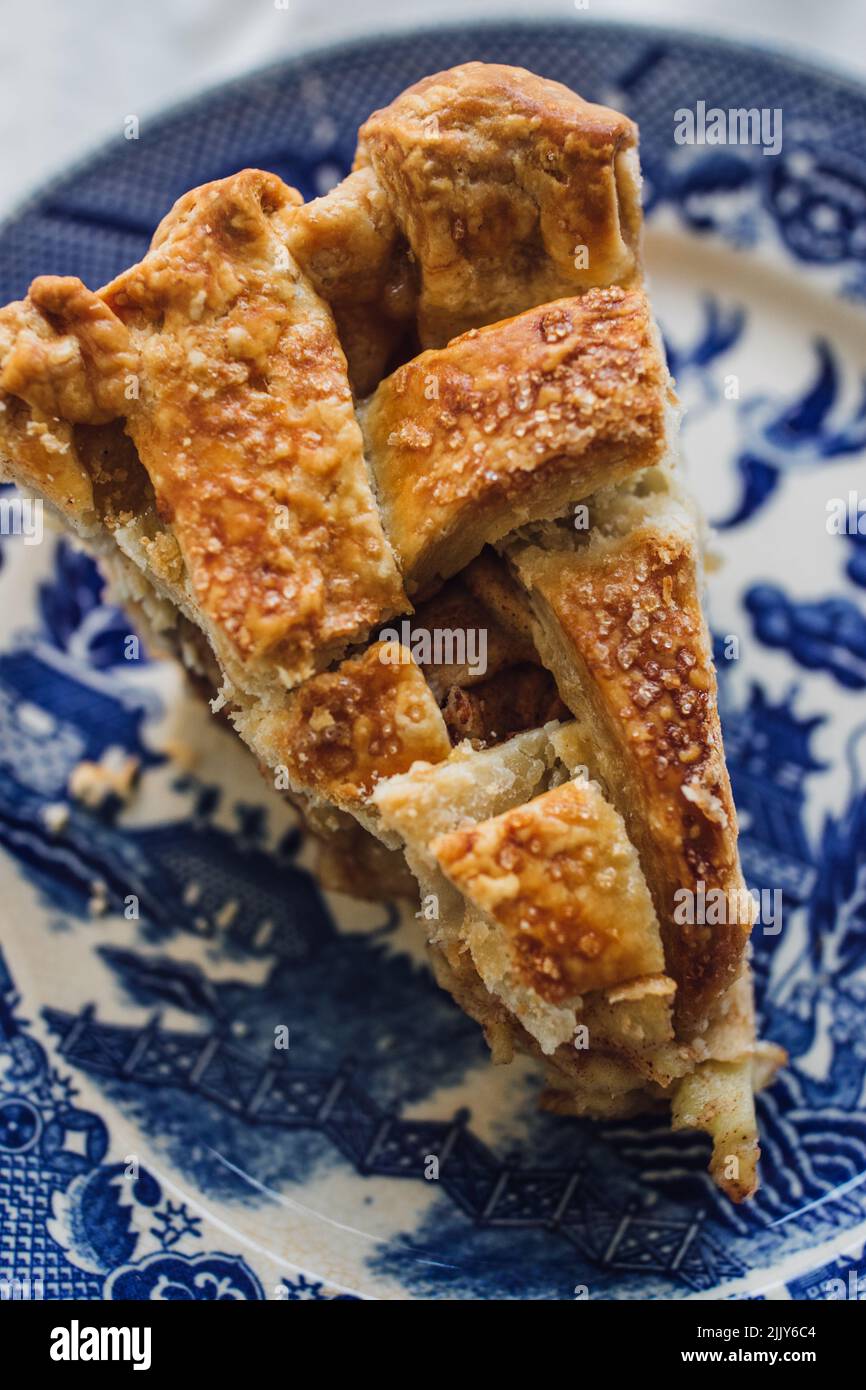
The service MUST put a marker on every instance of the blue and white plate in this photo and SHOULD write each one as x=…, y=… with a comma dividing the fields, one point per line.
x=154, y=1143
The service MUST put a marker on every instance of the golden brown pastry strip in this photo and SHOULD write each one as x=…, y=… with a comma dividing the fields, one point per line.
x=245, y=425
x=513, y=423
x=227, y=368
x=621, y=627
x=510, y=190
x=560, y=880
x=343, y=731
x=350, y=246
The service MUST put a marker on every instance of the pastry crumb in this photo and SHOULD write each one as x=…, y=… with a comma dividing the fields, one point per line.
x=55, y=817
x=92, y=784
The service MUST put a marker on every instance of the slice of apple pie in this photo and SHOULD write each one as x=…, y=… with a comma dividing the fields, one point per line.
x=300, y=439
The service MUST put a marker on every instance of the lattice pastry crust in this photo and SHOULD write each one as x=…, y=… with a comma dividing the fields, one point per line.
x=291, y=423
